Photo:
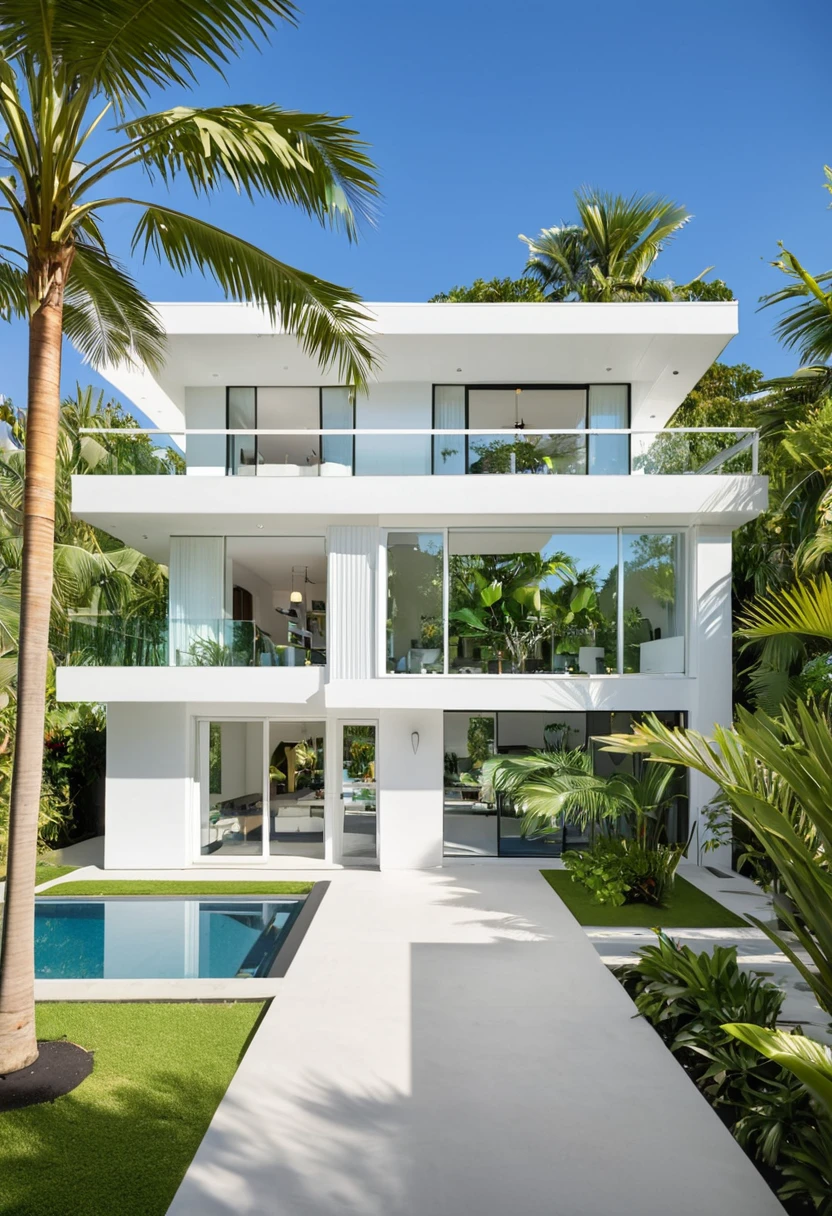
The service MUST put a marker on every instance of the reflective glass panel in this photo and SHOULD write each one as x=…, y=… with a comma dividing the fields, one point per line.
x=415, y=629
x=532, y=601
x=231, y=788
x=654, y=602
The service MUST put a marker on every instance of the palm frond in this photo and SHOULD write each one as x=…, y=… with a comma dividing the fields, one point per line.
x=106, y=316
x=807, y=326
x=12, y=291
x=805, y=608
x=123, y=49
x=328, y=320
x=312, y=161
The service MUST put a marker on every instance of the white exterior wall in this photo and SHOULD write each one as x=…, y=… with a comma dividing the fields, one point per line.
x=411, y=785
x=711, y=661
x=149, y=787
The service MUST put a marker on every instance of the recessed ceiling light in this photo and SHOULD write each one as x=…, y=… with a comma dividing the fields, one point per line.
x=216, y=375
x=607, y=369
x=260, y=526
x=144, y=536
x=285, y=367
x=459, y=369
x=675, y=373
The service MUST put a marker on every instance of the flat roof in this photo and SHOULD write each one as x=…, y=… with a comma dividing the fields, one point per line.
x=661, y=348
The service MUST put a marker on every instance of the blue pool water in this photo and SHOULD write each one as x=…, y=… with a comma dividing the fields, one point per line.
x=173, y=938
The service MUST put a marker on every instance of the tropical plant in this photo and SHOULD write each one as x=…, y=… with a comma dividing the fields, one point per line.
x=777, y=778
x=620, y=871
x=609, y=253
x=64, y=68
x=493, y=291
x=480, y=740
x=688, y=998
x=806, y=1159
x=553, y=787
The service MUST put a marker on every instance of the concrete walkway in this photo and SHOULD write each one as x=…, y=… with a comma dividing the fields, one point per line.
x=450, y=1044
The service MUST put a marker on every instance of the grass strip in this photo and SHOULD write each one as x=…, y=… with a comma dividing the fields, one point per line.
x=122, y=1141
x=687, y=908
x=128, y=886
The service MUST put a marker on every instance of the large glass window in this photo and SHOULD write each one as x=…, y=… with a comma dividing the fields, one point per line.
x=415, y=627
x=288, y=409
x=532, y=601
x=510, y=411
x=654, y=613
x=479, y=821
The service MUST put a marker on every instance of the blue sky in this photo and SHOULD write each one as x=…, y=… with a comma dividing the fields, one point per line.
x=485, y=117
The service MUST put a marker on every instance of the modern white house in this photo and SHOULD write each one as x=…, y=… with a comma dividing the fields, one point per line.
x=494, y=548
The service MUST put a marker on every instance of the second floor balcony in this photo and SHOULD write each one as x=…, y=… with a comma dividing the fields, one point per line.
x=418, y=451
x=112, y=641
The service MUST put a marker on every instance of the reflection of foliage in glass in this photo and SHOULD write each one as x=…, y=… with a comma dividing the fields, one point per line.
x=515, y=601
x=480, y=740
x=653, y=556
x=215, y=758
x=528, y=454
x=360, y=752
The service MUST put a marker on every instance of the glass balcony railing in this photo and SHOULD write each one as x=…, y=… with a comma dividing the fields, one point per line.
x=426, y=451
x=109, y=641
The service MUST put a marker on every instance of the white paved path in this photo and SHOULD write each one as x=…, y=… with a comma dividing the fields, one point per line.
x=450, y=1044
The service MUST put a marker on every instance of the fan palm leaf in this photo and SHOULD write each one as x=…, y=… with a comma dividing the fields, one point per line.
x=803, y=609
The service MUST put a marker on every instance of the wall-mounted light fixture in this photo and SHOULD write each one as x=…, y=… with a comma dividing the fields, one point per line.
x=414, y=741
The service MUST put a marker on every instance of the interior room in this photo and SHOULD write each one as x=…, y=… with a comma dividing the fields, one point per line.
x=233, y=767
x=278, y=583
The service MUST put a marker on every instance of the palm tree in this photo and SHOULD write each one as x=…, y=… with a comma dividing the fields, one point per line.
x=608, y=254
x=551, y=787
x=66, y=70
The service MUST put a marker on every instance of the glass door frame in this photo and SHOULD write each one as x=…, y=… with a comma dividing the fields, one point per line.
x=201, y=783
x=201, y=774
x=336, y=758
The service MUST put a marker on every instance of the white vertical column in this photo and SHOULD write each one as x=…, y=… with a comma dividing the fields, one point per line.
x=711, y=664
x=351, y=605
x=411, y=789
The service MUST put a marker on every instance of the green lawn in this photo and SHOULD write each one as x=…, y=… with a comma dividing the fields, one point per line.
x=115, y=886
x=688, y=908
x=43, y=872
x=121, y=1142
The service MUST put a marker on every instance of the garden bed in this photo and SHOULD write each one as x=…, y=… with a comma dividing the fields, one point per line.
x=687, y=908
x=122, y=1141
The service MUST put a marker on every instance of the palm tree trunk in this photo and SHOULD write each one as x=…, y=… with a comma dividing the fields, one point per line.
x=18, y=1041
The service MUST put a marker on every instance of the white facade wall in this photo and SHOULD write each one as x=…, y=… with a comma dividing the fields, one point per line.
x=149, y=786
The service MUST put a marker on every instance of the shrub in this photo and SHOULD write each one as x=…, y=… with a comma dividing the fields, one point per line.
x=688, y=998
x=626, y=872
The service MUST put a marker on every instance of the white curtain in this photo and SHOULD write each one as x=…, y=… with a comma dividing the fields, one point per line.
x=449, y=415
x=197, y=593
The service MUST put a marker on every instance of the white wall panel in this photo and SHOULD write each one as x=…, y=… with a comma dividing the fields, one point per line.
x=411, y=790
x=149, y=787
x=351, y=604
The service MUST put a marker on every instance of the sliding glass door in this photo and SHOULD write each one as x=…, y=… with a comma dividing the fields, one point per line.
x=232, y=787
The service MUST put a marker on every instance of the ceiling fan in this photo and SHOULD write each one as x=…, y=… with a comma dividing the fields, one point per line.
x=519, y=423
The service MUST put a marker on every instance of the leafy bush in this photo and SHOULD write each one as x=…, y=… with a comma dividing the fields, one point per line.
x=626, y=872
x=691, y=1000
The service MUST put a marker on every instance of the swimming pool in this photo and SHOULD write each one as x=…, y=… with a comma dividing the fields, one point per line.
x=137, y=937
